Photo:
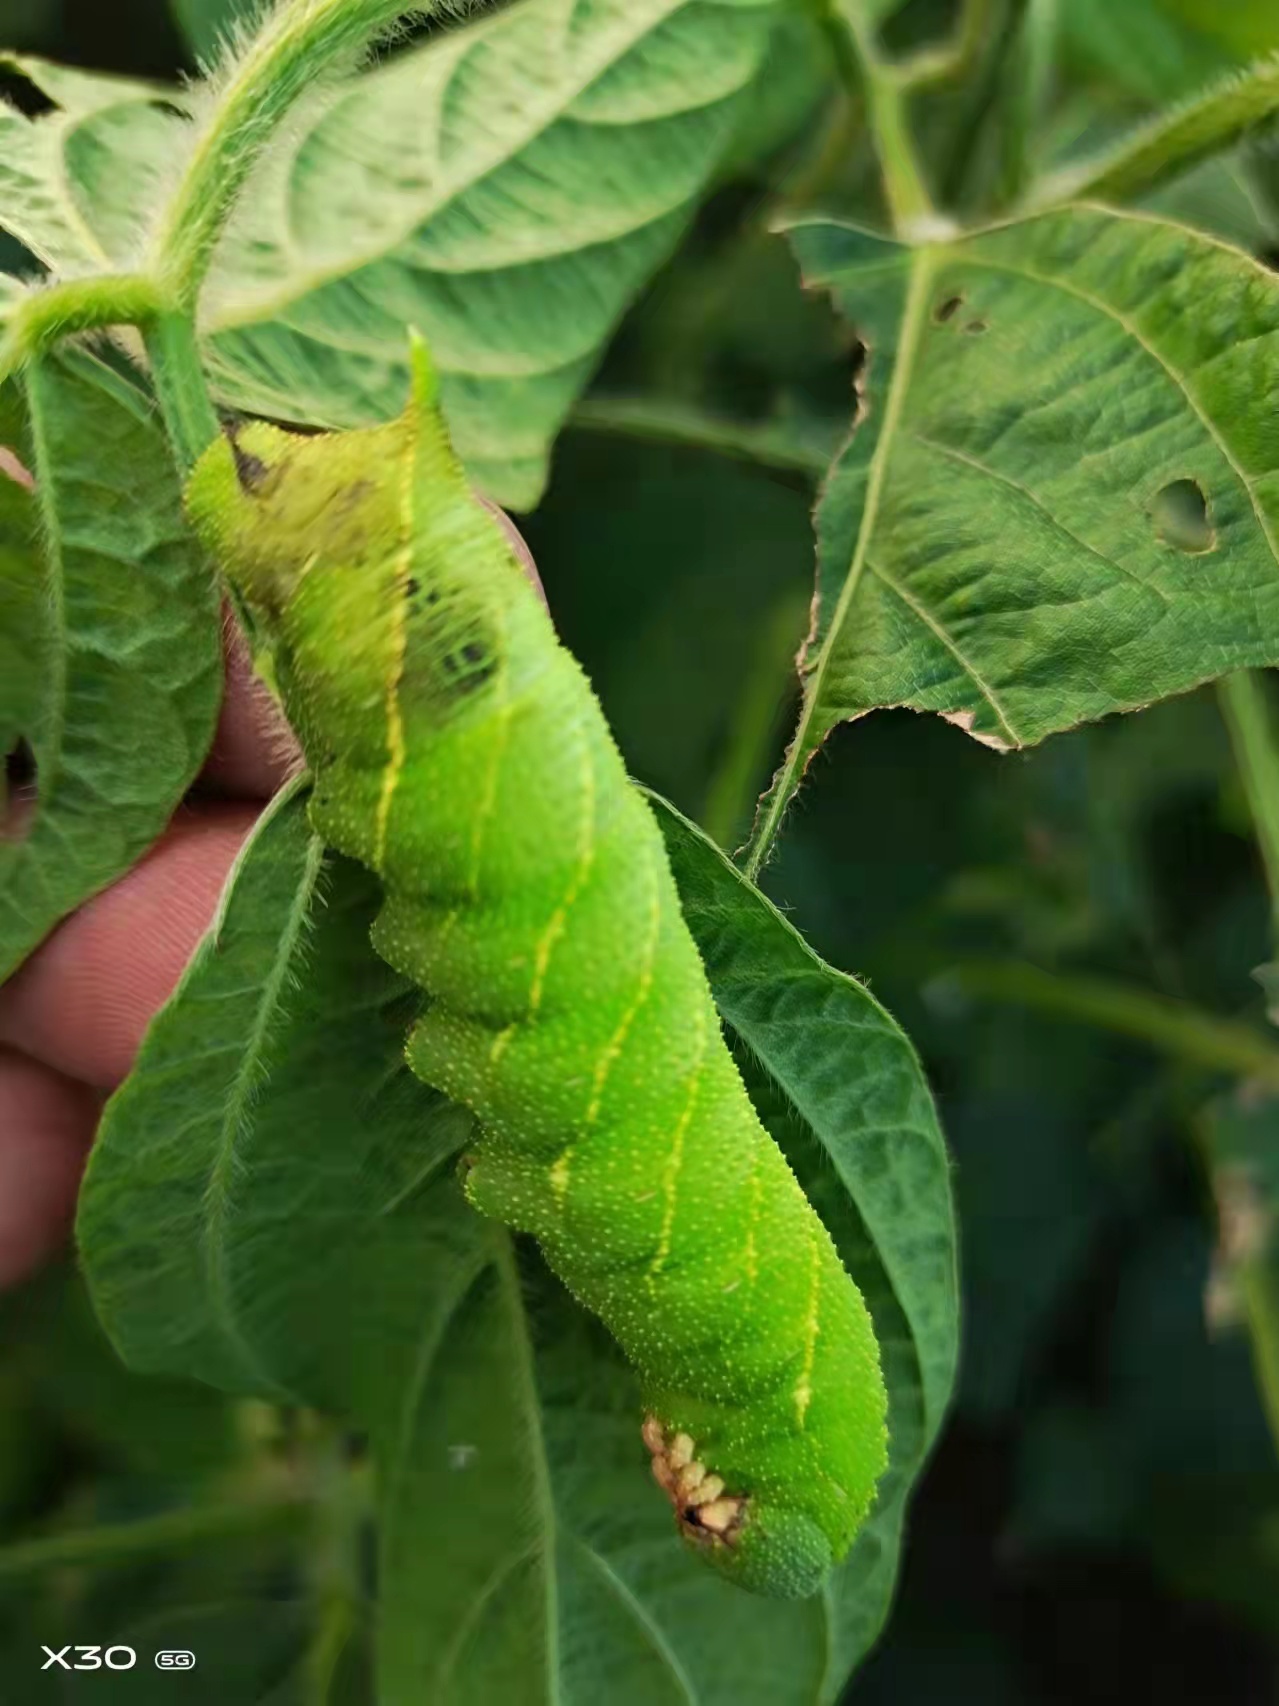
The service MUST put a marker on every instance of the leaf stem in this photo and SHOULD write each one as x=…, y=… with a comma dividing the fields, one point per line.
x=952, y=62
x=174, y=1531
x=1245, y=707
x=342, y=1515
x=179, y=384
x=800, y=451
x=734, y=787
x=859, y=63
x=1173, y=1027
x=301, y=40
x=75, y=305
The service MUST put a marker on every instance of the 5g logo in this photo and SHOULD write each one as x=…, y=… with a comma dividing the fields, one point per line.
x=175, y=1659
x=89, y=1658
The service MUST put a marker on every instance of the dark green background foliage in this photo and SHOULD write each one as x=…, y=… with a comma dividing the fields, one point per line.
x=1100, y=1521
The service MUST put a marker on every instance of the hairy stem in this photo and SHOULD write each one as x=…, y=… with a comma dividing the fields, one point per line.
x=301, y=41
x=1174, y=1027
x=179, y=384
x=1245, y=705
x=78, y=305
x=951, y=63
x=754, y=727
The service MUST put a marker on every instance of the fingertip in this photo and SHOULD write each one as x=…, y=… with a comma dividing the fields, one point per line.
x=83, y=1001
x=254, y=750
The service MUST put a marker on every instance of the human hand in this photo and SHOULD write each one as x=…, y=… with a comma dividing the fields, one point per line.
x=73, y=1016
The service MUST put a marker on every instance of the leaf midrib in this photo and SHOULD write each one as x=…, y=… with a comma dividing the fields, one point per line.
x=216, y=1197
x=914, y=316
x=526, y=1378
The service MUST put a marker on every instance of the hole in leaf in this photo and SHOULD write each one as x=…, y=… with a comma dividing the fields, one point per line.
x=18, y=90
x=18, y=797
x=1179, y=515
x=947, y=309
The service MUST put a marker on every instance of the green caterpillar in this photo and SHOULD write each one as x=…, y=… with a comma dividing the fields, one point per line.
x=459, y=751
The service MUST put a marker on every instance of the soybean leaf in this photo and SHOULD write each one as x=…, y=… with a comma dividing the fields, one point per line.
x=531, y=171
x=134, y=663
x=1062, y=493
x=78, y=183
x=235, y=1220
x=314, y=1241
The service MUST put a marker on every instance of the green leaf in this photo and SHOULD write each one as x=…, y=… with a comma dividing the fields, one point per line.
x=271, y=1203
x=77, y=184
x=1003, y=541
x=245, y=1165
x=135, y=655
x=530, y=172
x=1172, y=142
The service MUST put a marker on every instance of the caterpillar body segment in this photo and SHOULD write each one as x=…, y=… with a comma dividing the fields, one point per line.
x=459, y=751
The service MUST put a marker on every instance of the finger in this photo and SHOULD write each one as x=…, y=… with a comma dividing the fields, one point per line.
x=254, y=751
x=82, y=1003
x=46, y=1126
x=522, y=553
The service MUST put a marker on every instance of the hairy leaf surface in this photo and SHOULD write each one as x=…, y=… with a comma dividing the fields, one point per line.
x=530, y=172
x=134, y=660
x=78, y=183
x=1061, y=498
x=525, y=1553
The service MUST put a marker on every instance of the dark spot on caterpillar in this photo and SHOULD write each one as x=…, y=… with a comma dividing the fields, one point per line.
x=412, y=586
x=948, y=309
x=250, y=470
x=468, y=667
x=349, y=498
